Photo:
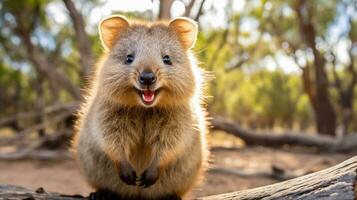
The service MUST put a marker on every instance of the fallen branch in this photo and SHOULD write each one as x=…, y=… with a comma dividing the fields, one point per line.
x=20, y=136
x=49, y=147
x=337, y=182
x=53, y=109
x=271, y=139
x=32, y=154
x=20, y=193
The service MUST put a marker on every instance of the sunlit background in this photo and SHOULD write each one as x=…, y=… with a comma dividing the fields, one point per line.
x=281, y=68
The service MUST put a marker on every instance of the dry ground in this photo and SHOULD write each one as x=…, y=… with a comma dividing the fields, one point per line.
x=64, y=176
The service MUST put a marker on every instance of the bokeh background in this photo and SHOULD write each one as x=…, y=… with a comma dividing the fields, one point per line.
x=282, y=102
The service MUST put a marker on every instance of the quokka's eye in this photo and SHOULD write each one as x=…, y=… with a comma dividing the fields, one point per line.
x=129, y=59
x=166, y=59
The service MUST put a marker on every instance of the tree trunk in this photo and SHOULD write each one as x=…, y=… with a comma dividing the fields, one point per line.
x=165, y=9
x=346, y=102
x=82, y=40
x=325, y=114
x=199, y=12
x=320, y=99
x=15, y=125
x=38, y=58
x=346, y=96
x=188, y=8
x=40, y=103
x=43, y=66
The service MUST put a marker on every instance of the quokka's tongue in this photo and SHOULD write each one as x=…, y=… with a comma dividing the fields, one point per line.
x=148, y=96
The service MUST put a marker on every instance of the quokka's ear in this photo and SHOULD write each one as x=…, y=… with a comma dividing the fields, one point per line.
x=110, y=28
x=186, y=30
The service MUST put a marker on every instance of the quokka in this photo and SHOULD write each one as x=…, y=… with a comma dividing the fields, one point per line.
x=140, y=133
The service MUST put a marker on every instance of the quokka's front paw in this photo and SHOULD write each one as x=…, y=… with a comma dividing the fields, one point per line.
x=127, y=174
x=149, y=177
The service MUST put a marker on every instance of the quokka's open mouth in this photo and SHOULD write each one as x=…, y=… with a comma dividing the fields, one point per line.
x=148, y=96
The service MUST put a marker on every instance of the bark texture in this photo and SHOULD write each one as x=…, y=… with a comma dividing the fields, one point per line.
x=337, y=182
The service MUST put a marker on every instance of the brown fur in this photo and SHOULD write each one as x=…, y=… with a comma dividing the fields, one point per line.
x=115, y=127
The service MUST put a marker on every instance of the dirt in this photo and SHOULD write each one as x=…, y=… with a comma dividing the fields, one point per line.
x=64, y=177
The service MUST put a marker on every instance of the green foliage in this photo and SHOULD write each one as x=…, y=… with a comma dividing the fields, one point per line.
x=15, y=90
x=259, y=98
x=246, y=90
x=262, y=98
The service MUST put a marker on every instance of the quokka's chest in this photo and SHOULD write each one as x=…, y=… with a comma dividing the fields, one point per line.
x=147, y=123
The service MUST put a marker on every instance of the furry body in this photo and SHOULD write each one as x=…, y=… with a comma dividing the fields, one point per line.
x=133, y=149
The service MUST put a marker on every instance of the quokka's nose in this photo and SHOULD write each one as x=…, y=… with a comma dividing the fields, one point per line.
x=147, y=78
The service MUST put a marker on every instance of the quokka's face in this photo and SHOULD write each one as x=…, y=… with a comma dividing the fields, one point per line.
x=147, y=65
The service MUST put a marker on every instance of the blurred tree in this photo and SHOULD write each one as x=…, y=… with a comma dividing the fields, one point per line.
x=40, y=52
x=82, y=39
x=305, y=34
x=22, y=20
x=301, y=31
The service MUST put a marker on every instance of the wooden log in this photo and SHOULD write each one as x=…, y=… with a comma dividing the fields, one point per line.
x=20, y=193
x=337, y=182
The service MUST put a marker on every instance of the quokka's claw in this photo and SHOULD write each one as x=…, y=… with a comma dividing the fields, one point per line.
x=128, y=175
x=149, y=177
